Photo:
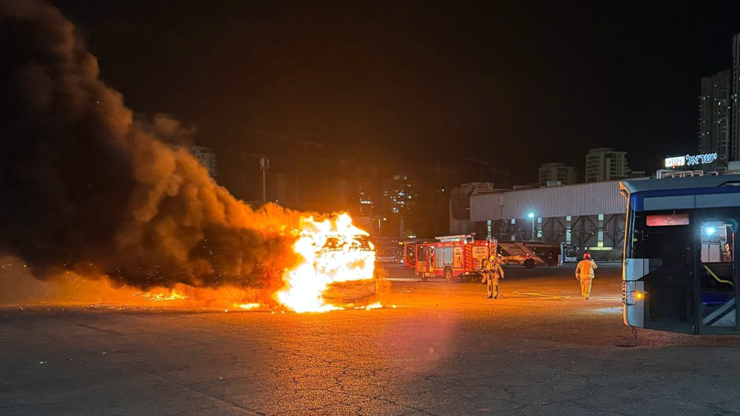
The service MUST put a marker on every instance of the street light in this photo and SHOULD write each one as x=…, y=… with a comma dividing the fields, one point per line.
x=531, y=218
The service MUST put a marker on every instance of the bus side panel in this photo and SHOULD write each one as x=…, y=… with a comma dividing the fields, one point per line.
x=633, y=271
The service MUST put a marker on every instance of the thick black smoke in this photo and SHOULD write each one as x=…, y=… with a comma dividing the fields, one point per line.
x=84, y=187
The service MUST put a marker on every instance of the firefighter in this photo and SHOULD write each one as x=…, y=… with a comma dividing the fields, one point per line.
x=585, y=273
x=484, y=270
x=492, y=272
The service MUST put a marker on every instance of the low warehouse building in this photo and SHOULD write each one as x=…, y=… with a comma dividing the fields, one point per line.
x=590, y=216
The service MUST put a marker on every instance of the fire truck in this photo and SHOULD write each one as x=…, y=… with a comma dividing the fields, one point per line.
x=450, y=257
x=409, y=250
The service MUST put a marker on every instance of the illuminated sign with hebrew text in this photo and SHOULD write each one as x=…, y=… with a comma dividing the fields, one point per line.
x=690, y=160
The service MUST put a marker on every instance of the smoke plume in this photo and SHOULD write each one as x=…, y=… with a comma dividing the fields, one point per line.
x=87, y=188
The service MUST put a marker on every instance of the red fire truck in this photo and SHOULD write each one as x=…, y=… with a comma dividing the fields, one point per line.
x=409, y=250
x=450, y=257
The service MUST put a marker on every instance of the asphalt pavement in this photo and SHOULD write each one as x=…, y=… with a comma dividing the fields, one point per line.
x=436, y=348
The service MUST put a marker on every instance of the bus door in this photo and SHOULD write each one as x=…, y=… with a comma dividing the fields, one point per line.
x=716, y=299
x=663, y=250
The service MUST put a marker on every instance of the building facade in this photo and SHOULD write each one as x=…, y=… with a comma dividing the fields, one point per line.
x=714, y=118
x=207, y=158
x=590, y=216
x=556, y=173
x=606, y=164
x=460, y=222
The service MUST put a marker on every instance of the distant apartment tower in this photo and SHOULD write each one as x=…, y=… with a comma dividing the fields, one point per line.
x=735, y=131
x=398, y=195
x=606, y=164
x=552, y=173
x=207, y=158
x=714, y=118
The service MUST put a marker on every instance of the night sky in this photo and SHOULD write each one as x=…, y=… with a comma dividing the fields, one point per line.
x=410, y=84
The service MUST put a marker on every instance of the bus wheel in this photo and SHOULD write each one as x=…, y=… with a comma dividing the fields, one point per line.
x=448, y=274
x=529, y=263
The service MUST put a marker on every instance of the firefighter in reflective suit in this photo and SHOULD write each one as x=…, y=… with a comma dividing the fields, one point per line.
x=585, y=273
x=492, y=272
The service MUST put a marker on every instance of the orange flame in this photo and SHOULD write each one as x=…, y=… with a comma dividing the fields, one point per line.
x=248, y=306
x=375, y=305
x=161, y=295
x=331, y=251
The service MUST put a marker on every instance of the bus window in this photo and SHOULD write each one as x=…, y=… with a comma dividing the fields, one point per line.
x=717, y=293
x=716, y=239
x=548, y=254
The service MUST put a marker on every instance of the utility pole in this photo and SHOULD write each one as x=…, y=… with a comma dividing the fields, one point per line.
x=300, y=176
x=531, y=218
x=264, y=165
x=532, y=229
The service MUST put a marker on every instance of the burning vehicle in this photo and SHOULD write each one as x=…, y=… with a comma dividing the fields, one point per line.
x=351, y=292
x=118, y=203
x=336, y=268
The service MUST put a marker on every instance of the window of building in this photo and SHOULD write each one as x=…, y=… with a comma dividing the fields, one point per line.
x=513, y=220
x=568, y=218
x=539, y=220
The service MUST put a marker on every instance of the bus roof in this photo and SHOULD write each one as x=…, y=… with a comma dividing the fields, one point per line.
x=714, y=181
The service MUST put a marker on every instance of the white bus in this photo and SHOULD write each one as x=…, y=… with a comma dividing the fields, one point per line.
x=680, y=265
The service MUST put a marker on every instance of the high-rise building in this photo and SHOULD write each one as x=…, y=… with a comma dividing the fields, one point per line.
x=398, y=195
x=553, y=173
x=714, y=118
x=207, y=157
x=606, y=164
x=735, y=131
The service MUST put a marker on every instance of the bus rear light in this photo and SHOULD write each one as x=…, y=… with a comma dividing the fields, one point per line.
x=629, y=293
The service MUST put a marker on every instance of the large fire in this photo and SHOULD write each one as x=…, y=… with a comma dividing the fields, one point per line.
x=331, y=251
x=335, y=270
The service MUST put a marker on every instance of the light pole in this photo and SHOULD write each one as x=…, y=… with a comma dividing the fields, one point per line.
x=264, y=165
x=531, y=218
